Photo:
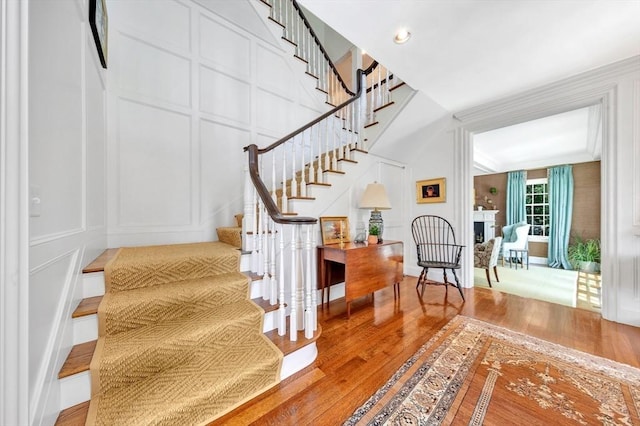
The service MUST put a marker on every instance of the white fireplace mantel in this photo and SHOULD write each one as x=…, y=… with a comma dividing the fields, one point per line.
x=488, y=217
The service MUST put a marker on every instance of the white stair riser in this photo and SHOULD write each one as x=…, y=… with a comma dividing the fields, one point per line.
x=297, y=360
x=93, y=284
x=245, y=262
x=75, y=389
x=85, y=329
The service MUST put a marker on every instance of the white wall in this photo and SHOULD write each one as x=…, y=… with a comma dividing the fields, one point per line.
x=67, y=172
x=188, y=90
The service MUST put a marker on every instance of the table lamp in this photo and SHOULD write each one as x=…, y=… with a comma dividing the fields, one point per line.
x=375, y=197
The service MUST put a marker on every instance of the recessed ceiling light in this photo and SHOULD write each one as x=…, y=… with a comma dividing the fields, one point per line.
x=402, y=36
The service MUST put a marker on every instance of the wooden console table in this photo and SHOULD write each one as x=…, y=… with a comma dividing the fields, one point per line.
x=366, y=268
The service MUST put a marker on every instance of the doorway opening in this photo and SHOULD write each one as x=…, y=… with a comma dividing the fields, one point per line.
x=571, y=138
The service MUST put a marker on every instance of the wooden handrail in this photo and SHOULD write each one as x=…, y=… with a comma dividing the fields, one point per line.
x=253, y=153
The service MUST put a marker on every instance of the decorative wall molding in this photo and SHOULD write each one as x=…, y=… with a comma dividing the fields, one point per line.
x=586, y=89
x=14, y=216
x=532, y=102
x=635, y=186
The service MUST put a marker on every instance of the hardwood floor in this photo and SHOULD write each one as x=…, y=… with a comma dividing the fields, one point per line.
x=358, y=355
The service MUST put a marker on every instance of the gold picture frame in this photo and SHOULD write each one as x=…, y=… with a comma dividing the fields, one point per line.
x=334, y=229
x=431, y=191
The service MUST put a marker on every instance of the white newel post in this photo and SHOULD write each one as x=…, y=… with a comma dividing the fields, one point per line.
x=293, y=317
x=282, y=311
x=249, y=211
x=309, y=326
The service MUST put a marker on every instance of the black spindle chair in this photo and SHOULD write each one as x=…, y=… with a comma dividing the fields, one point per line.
x=437, y=248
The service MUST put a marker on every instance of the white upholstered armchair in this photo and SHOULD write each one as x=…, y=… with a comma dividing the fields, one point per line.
x=520, y=242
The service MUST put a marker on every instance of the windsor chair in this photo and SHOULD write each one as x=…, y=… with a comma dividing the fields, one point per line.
x=437, y=248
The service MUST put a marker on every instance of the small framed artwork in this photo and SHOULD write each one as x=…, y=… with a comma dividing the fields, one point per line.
x=99, y=23
x=431, y=191
x=335, y=229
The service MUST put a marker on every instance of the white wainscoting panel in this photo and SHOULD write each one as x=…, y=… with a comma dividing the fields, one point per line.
x=168, y=21
x=221, y=154
x=228, y=49
x=95, y=136
x=274, y=72
x=154, y=164
x=216, y=86
x=181, y=109
x=270, y=108
x=152, y=72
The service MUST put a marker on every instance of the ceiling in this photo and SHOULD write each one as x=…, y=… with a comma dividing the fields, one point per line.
x=464, y=53
x=570, y=137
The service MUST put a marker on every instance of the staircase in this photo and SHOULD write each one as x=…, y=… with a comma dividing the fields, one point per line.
x=292, y=175
x=74, y=376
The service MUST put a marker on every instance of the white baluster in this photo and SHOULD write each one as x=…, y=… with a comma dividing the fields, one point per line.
x=314, y=276
x=294, y=178
x=299, y=278
x=254, y=234
x=273, y=297
x=266, y=279
x=313, y=167
x=335, y=136
x=379, y=98
x=285, y=200
x=249, y=210
x=387, y=87
x=303, y=180
x=282, y=311
x=326, y=165
x=293, y=317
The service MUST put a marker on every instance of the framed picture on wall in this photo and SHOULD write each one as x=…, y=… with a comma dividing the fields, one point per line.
x=99, y=23
x=335, y=229
x=431, y=191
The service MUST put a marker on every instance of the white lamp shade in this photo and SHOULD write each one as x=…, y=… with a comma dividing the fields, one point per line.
x=375, y=197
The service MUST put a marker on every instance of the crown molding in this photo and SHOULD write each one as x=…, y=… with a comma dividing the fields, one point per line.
x=580, y=90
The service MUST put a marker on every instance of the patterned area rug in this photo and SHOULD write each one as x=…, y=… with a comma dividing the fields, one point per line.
x=474, y=373
x=180, y=343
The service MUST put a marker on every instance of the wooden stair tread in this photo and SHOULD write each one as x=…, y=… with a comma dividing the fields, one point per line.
x=384, y=106
x=397, y=86
x=289, y=41
x=370, y=124
x=348, y=160
x=312, y=75
x=301, y=59
x=275, y=21
x=73, y=416
x=318, y=184
x=88, y=306
x=340, y=172
x=302, y=198
x=78, y=360
x=287, y=346
x=360, y=150
x=98, y=264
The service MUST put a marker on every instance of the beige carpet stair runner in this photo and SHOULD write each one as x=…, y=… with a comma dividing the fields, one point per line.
x=232, y=235
x=179, y=340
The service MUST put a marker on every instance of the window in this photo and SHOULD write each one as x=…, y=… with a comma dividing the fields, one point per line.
x=537, y=208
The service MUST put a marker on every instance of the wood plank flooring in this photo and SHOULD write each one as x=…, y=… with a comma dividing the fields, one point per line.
x=358, y=355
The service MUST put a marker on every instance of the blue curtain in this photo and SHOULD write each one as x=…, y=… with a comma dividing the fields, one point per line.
x=516, y=193
x=560, y=211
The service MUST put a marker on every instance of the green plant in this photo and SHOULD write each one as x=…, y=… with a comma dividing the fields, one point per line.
x=493, y=190
x=374, y=230
x=584, y=251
